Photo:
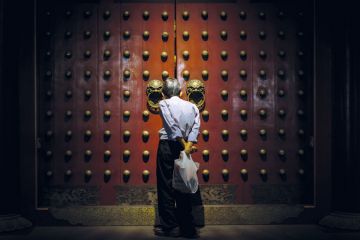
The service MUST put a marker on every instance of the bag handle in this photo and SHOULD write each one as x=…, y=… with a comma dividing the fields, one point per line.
x=183, y=155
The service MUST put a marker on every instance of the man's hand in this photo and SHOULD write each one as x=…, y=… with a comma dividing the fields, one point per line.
x=182, y=141
x=188, y=147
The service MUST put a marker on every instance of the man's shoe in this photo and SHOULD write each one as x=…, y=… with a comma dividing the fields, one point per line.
x=190, y=234
x=173, y=232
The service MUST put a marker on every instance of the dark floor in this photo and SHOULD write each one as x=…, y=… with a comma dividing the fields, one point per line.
x=222, y=232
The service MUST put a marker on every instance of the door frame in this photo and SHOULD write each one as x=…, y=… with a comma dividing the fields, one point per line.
x=224, y=214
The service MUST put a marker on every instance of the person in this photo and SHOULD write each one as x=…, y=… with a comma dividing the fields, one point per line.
x=181, y=124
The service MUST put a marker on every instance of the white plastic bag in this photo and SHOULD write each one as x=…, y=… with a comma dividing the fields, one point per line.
x=184, y=176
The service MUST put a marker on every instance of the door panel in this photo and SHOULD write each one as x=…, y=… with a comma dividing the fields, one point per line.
x=92, y=90
x=261, y=30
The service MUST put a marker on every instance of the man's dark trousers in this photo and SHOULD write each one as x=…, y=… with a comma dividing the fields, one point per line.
x=169, y=215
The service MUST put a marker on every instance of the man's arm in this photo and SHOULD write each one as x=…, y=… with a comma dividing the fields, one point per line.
x=195, y=128
x=192, y=138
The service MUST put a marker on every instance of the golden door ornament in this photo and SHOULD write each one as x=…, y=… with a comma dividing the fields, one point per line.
x=195, y=91
x=154, y=95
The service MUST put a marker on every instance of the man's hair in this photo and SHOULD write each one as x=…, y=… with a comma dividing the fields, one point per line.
x=171, y=87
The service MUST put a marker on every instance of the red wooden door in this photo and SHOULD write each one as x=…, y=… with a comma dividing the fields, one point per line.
x=97, y=146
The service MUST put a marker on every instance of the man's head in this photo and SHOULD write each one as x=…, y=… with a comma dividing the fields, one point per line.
x=171, y=87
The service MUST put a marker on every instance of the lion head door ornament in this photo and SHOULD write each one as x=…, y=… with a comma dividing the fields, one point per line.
x=154, y=95
x=195, y=91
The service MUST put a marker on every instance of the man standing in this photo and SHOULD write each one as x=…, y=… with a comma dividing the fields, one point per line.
x=181, y=123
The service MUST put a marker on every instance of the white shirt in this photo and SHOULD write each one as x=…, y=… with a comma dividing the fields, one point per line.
x=180, y=119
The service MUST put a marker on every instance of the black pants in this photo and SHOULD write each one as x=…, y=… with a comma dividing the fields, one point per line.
x=174, y=207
